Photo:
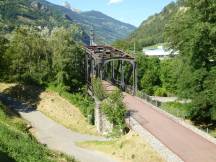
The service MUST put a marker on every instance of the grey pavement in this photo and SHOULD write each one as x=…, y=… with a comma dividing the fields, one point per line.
x=56, y=136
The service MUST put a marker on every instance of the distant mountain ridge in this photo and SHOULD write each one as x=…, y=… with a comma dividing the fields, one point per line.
x=44, y=13
x=106, y=28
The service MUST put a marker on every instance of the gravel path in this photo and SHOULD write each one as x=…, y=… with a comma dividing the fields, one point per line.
x=55, y=136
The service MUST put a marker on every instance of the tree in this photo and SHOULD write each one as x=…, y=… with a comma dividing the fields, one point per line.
x=169, y=74
x=150, y=78
x=68, y=59
x=193, y=33
x=3, y=47
x=28, y=56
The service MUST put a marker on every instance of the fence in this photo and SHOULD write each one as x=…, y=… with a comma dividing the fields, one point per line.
x=148, y=98
x=158, y=104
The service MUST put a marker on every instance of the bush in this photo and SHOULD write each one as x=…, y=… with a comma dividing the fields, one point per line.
x=201, y=111
x=98, y=89
x=178, y=109
x=115, y=110
x=160, y=92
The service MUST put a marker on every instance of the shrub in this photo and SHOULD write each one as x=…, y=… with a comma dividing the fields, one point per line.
x=160, y=92
x=115, y=110
x=177, y=109
x=98, y=89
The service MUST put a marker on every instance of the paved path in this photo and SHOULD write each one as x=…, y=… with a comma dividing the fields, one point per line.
x=189, y=146
x=55, y=136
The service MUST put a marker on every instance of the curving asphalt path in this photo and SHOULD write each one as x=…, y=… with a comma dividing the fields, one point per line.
x=56, y=136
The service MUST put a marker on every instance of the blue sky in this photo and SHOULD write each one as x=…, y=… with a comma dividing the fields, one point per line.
x=129, y=11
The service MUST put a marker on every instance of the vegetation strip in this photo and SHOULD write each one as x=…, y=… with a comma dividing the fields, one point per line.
x=130, y=148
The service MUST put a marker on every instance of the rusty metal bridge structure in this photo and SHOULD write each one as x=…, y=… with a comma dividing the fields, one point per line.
x=112, y=65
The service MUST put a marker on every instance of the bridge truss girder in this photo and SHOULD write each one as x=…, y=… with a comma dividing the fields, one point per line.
x=100, y=59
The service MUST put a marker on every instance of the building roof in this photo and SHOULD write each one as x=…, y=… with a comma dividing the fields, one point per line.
x=159, y=51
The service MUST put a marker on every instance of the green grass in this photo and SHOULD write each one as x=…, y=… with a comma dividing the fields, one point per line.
x=212, y=132
x=177, y=109
x=17, y=144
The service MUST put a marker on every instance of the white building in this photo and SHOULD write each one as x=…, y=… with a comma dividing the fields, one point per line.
x=158, y=52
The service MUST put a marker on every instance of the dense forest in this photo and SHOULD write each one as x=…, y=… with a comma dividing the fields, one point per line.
x=37, y=56
x=38, y=45
x=191, y=30
x=193, y=33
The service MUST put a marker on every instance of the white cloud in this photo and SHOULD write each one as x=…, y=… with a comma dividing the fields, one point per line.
x=114, y=1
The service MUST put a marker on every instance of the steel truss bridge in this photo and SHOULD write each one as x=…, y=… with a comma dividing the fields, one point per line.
x=111, y=64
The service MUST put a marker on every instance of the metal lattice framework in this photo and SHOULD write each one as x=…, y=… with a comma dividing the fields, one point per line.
x=101, y=60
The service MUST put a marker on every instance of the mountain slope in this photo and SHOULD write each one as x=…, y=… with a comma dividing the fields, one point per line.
x=105, y=26
x=45, y=14
x=29, y=12
x=151, y=30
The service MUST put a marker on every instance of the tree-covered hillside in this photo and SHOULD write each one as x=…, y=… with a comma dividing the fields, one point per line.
x=30, y=12
x=14, y=14
x=151, y=30
x=44, y=14
x=190, y=29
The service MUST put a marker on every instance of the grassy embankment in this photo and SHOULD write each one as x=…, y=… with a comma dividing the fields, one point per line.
x=182, y=110
x=17, y=144
x=74, y=111
x=128, y=148
x=61, y=106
